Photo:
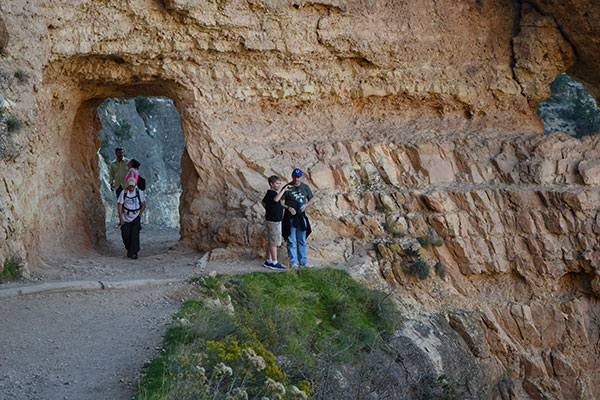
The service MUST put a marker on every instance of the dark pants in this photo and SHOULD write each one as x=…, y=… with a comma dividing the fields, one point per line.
x=130, y=232
x=119, y=190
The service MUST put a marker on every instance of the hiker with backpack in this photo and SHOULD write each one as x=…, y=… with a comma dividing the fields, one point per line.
x=132, y=204
x=133, y=166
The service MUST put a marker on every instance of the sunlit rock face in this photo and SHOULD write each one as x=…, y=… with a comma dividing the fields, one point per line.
x=417, y=115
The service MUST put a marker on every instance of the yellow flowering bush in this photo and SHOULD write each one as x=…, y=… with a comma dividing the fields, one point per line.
x=226, y=370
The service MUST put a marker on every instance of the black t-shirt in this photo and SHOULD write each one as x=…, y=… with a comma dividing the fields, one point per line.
x=274, y=208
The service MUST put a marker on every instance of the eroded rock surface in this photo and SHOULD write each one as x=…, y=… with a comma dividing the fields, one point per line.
x=408, y=118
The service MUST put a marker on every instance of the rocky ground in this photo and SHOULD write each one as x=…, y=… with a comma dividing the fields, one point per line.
x=85, y=342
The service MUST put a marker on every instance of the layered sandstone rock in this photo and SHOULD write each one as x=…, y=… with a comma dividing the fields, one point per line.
x=253, y=75
x=518, y=217
x=408, y=117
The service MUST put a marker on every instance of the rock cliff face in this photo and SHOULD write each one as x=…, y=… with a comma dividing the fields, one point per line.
x=149, y=129
x=570, y=109
x=408, y=117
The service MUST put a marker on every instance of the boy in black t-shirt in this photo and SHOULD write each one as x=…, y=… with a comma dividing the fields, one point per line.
x=274, y=214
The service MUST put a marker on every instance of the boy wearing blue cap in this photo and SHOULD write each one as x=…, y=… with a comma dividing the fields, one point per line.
x=296, y=227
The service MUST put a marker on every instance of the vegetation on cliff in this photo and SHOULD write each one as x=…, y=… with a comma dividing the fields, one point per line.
x=570, y=109
x=294, y=335
x=10, y=270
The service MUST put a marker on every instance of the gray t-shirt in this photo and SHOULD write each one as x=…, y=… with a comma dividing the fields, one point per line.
x=297, y=193
x=132, y=202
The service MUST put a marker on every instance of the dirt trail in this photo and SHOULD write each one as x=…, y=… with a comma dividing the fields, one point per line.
x=92, y=344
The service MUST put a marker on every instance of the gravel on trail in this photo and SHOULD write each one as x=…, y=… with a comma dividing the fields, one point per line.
x=92, y=344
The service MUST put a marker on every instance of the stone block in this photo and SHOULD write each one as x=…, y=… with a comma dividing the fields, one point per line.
x=468, y=326
x=322, y=177
x=533, y=366
x=596, y=285
x=524, y=320
x=252, y=179
x=542, y=389
x=440, y=171
x=439, y=201
x=505, y=162
x=388, y=202
x=590, y=171
x=563, y=365
x=386, y=271
x=551, y=322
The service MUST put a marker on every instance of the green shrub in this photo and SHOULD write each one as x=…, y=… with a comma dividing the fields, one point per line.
x=432, y=387
x=419, y=268
x=286, y=330
x=424, y=241
x=410, y=252
x=571, y=103
x=13, y=124
x=123, y=132
x=431, y=239
x=391, y=230
x=211, y=286
x=10, y=270
x=586, y=116
x=143, y=105
x=21, y=76
x=560, y=83
x=440, y=270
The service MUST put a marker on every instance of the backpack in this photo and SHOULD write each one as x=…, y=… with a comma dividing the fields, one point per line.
x=137, y=196
x=141, y=183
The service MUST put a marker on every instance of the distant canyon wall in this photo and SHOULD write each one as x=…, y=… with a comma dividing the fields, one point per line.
x=149, y=130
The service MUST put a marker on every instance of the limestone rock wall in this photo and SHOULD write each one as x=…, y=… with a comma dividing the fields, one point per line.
x=311, y=69
x=517, y=217
x=417, y=115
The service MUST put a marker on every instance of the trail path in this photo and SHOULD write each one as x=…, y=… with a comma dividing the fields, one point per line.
x=90, y=339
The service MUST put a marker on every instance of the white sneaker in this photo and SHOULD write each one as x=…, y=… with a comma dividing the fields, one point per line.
x=307, y=265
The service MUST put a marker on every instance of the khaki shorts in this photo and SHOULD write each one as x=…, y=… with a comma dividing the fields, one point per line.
x=274, y=233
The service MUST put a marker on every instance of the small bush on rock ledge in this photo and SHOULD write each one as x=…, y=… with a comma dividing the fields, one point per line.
x=13, y=124
x=10, y=270
x=440, y=270
x=431, y=239
x=432, y=387
x=22, y=76
x=419, y=268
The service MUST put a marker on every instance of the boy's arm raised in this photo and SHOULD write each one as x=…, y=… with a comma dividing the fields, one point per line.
x=281, y=192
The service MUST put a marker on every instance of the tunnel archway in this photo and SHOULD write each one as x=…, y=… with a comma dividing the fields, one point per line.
x=73, y=217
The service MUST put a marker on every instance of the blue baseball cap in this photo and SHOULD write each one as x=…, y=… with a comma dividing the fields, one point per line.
x=297, y=172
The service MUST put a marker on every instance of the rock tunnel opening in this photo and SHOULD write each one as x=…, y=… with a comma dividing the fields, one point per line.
x=570, y=109
x=149, y=130
x=75, y=217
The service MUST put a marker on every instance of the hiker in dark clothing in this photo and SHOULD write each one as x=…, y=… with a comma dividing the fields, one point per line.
x=274, y=214
x=132, y=204
x=295, y=225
